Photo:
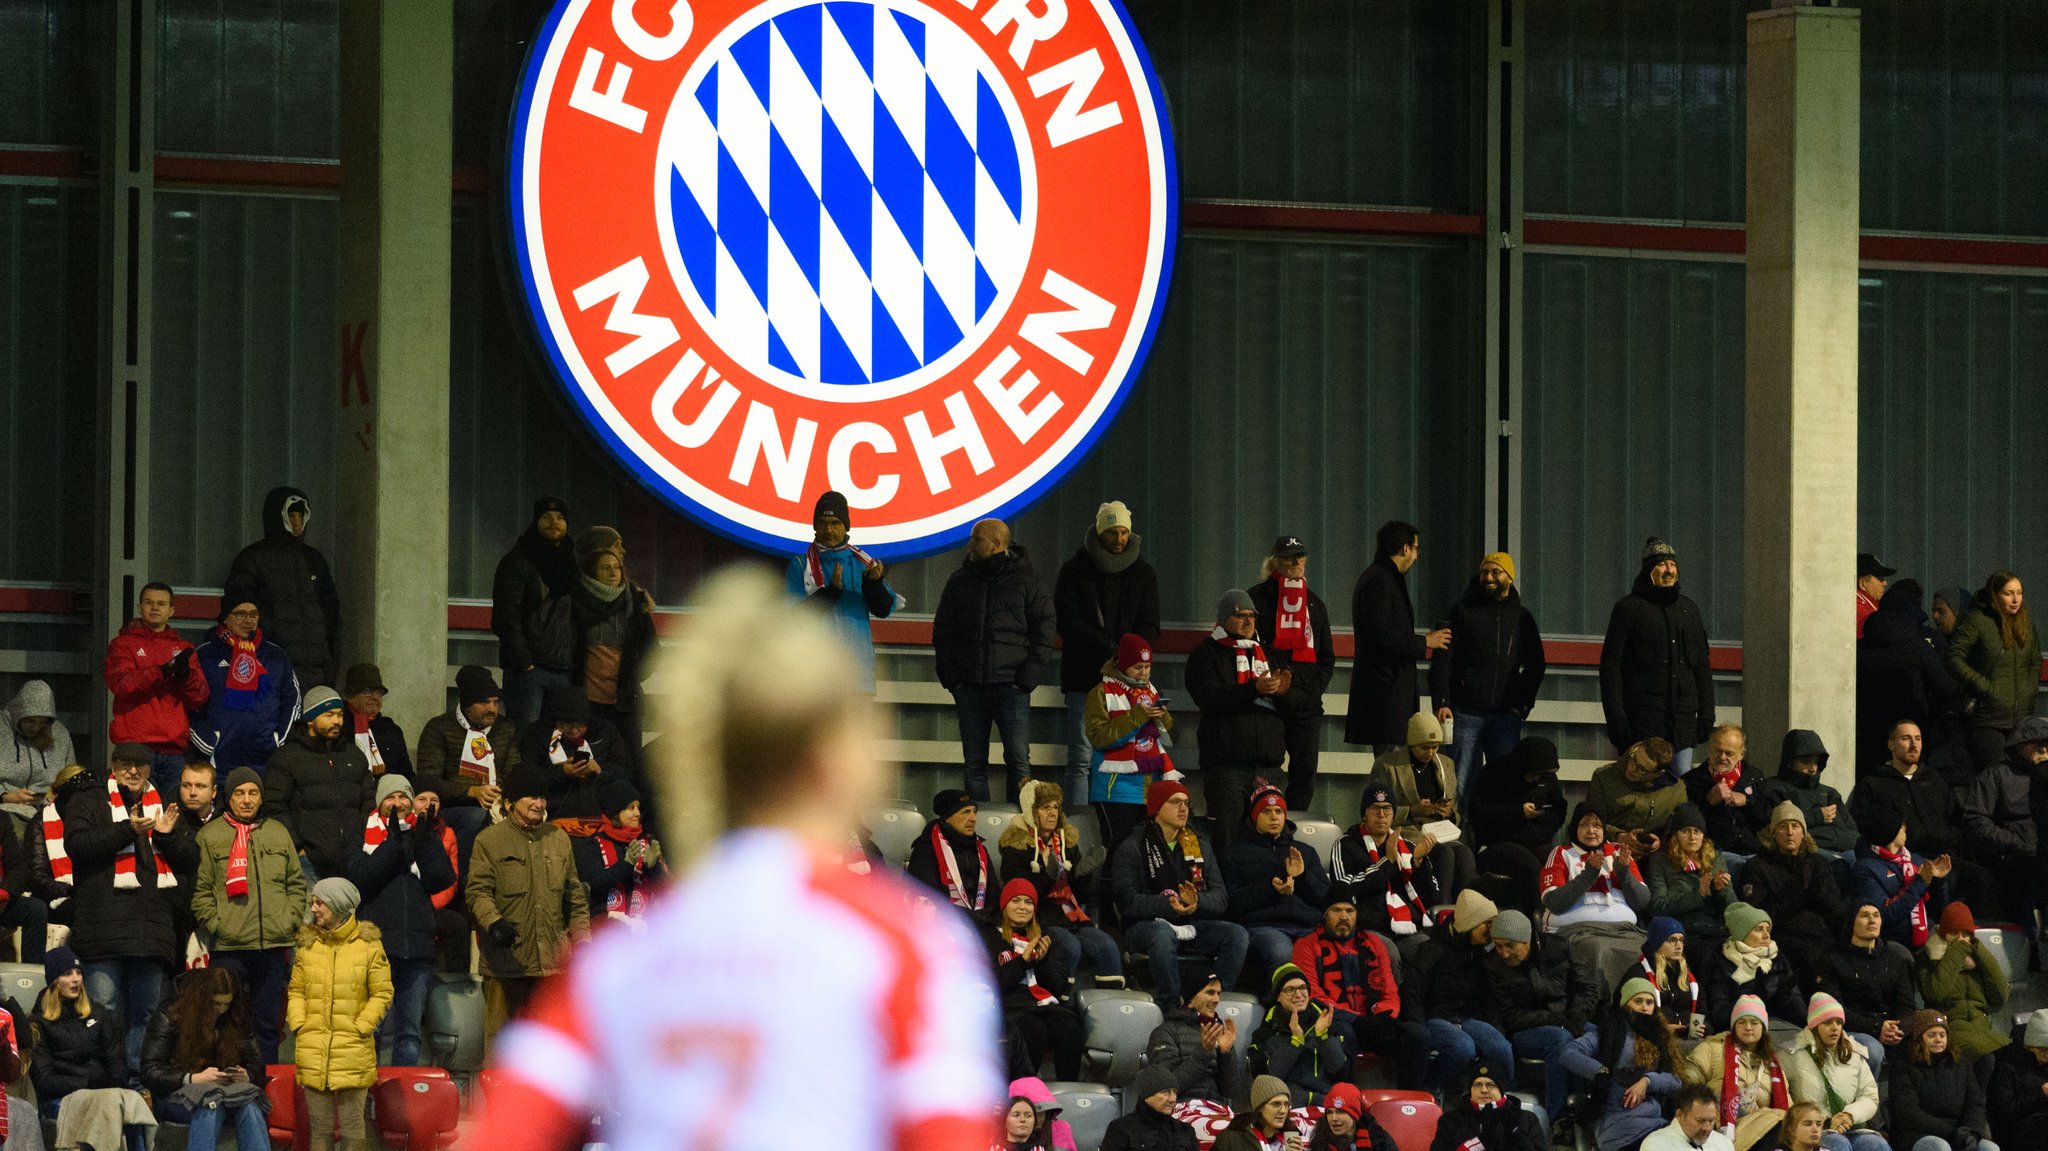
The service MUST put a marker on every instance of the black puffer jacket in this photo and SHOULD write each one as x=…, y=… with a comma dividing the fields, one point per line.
x=1899, y=673
x=567, y=795
x=994, y=624
x=397, y=901
x=161, y=1072
x=1446, y=980
x=1237, y=728
x=1253, y=861
x=1095, y=608
x=1924, y=803
x=1495, y=662
x=289, y=581
x=1871, y=984
x=1938, y=1099
x=390, y=739
x=1383, y=691
x=110, y=922
x=1809, y=794
x=1175, y=1046
x=1808, y=912
x=1530, y=993
x=1528, y=774
x=528, y=614
x=1311, y=677
x=1654, y=676
x=321, y=791
x=74, y=1054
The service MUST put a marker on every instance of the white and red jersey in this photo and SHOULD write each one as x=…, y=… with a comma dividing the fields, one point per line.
x=773, y=995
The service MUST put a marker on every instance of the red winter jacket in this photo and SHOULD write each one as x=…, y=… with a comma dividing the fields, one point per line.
x=1323, y=959
x=147, y=708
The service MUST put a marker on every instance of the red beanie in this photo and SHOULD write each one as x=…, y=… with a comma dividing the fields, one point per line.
x=1267, y=796
x=1157, y=795
x=1133, y=649
x=1345, y=1097
x=1958, y=918
x=1015, y=888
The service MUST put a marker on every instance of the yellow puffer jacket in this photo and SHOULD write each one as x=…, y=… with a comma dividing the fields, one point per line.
x=341, y=987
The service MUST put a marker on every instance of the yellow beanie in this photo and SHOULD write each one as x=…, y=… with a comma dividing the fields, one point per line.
x=1503, y=560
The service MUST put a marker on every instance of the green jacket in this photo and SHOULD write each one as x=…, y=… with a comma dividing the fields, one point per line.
x=1967, y=996
x=527, y=876
x=1676, y=894
x=2002, y=680
x=271, y=913
x=1623, y=804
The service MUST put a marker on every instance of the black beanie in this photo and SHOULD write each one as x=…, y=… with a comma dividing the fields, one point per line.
x=945, y=803
x=834, y=504
x=546, y=504
x=568, y=705
x=522, y=783
x=473, y=685
x=615, y=798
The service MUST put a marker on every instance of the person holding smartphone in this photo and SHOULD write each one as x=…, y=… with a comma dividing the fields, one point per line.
x=201, y=1062
x=579, y=754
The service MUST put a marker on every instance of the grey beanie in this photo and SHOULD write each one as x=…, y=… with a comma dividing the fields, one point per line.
x=2037, y=1029
x=391, y=783
x=339, y=895
x=1512, y=927
x=1233, y=601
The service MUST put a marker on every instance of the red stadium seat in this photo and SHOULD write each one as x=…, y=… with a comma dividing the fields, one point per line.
x=287, y=1108
x=1372, y=1095
x=416, y=1108
x=1412, y=1122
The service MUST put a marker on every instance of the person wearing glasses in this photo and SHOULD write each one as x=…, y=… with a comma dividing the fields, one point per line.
x=252, y=692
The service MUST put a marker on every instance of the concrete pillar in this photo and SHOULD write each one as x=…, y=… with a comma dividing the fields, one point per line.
x=391, y=552
x=1799, y=437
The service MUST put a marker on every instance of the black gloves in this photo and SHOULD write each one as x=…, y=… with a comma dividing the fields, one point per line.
x=178, y=665
x=502, y=934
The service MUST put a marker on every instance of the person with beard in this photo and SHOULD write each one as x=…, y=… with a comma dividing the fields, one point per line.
x=1751, y=962
x=845, y=582
x=1664, y=965
x=1791, y=883
x=1128, y=728
x=1801, y=758
x=1909, y=890
x=1689, y=883
x=1394, y=879
x=1526, y=986
x=319, y=785
x=1655, y=679
x=1729, y=795
x=950, y=858
x=577, y=753
x=398, y=867
x=1346, y=1125
x=1744, y=1071
x=992, y=638
x=1040, y=846
x=1995, y=654
x=1196, y=1049
x=1632, y=1061
x=1383, y=690
x=249, y=897
x=471, y=747
x=1900, y=673
x=531, y=611
x=1242, y=735
x=1351, y=973
x=1486, y=686
x=1276, y=887
x=289, y=581
x=614, y=638
x=1517, y=798
x=1484, y=1117
x=1871, y=977
x=1904, y=790
x=1172, y=896
x=1031, y=982
x=1105, y=591
x=1997, y=811
x=1296, y=627
x=252, y=691
x=620, y=862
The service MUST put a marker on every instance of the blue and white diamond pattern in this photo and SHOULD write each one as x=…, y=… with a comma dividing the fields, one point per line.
x=849, y=192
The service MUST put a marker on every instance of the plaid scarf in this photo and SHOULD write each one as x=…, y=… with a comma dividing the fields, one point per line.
x=124, y=863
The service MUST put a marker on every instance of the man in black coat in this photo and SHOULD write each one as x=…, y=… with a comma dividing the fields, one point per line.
x=290, y=583
x=576, y=754
x=1106, y=591
x=1487, y=685
x=380, y=737
x=318, y=785
x=1900, y=674
x=1904, y=790
x=399, y=871
x=1872, y=978
x=1383, y=690
x=1295, y=627
x=1655, y=680
x=1242, y=735
x=530, y=609
x=992, y=634
x=1151, y=1125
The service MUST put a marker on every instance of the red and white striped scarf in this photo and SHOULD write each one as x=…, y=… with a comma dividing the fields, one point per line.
x=949, y=871
x=1566, y=862
x=53, y=844
x=1291, y=628
x=1731, y=1086
x=124, y=863
x=1251, y=658
x=376, y=831
x=629, y=899
x=1907, y=872
x=1140, y=752
x=1018, y=946
x=1404, y=904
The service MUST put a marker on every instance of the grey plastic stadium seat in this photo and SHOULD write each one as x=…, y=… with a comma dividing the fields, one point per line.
x=1116, y=1025
x=1088, y=1108
x=23, y=982
x=1320, y=834
x=894, y=829
x=2011, y=949
x=1247, y=1010
x=989, y=821
x=453, y=1024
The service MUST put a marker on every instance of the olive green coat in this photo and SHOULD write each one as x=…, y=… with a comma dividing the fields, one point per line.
x=2002, y=680
x=271, y=914
x=528, y=877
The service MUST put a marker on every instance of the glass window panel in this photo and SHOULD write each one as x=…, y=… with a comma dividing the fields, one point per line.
x=249, y=77
x=52, y=55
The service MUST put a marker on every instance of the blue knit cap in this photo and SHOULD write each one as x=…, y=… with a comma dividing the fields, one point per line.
x=1661, y=928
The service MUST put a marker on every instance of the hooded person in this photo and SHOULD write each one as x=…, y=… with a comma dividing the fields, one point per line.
x=1243, y=734
x=1058, y=1135
x=35, y=747
x=950, y=858
x=1129, y=731
x=1105, y=591
x=1802, y=757
x=290, y=583
x=531, y=610
x=339, y=993
x=1294, y=623
x=1040, y=845
x=843, y=581
x=1655, y=678
x=1517, y=798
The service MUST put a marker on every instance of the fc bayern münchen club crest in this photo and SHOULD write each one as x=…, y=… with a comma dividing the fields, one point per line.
x=912, y=250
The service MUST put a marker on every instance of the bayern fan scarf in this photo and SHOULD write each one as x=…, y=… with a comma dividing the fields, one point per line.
x=949, y=872
x=1251, y=658
x=238, y=859
x=124, y=863
x=1291, y=628
x=376, y=831
x=53, y=844
x=1019, y=945
x=1051, y=857
x=1404, y=903
x=629, y=898
x=245, y=670
x=1903, y=860
x=1193, y=867
x=1684, y=975
x=1731, y=1091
